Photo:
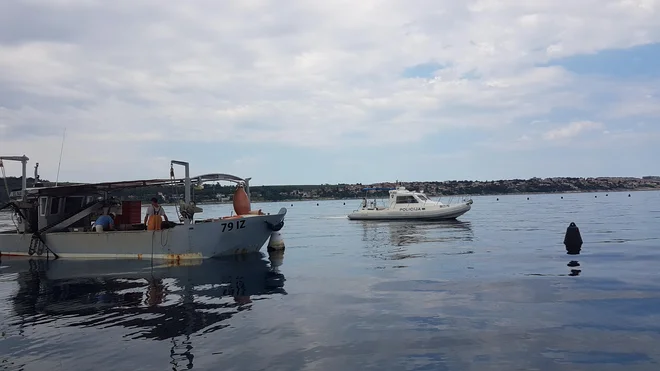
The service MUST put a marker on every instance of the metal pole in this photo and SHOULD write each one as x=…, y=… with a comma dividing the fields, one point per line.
x=186, y=194
x=187, y=183
x=24, y=161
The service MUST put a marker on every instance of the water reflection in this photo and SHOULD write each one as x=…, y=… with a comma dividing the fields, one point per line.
x=575, y=271
x=159, y=302
x=393, y=240
x=403, y=233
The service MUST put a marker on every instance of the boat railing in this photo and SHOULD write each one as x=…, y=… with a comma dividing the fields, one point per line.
x=461, y=198
x=371, y=205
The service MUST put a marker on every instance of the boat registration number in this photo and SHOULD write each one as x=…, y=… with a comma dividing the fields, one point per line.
x=230, y=226
x=410, y=209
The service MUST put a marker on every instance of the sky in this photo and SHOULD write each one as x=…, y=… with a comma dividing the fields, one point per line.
x=309, y=92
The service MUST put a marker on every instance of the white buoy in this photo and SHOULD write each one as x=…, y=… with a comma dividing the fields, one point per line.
x=276, y=242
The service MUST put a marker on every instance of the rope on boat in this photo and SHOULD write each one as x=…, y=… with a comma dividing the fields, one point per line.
x=167, y=239
x=17, y=212
x=4, y=176
x=153, y=235
x=37, y=242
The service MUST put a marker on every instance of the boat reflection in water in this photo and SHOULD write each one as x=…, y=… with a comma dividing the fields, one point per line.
x=409, y=233
x=155, y=302
x=392, y=240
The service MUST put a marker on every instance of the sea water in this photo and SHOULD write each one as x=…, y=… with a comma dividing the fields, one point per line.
x=490, y=291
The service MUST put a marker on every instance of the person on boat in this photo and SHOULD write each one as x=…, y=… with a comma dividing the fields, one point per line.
x=153, y=218
x=364, y=202
x=105, y=222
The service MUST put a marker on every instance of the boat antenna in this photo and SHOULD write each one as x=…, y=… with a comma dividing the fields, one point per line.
x=60, y=163
x=36, y=175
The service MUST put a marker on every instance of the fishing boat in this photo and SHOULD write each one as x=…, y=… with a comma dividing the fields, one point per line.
x=56, y=222
x=404, y=204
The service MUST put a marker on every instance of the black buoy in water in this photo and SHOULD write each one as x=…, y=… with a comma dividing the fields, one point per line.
x=573, y=240
x=498, y=199
x=528, y=198
x=562, y=197
x=628, y=194
x=317, y=204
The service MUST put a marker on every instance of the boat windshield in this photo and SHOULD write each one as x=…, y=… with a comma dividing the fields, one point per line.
x=423, y=197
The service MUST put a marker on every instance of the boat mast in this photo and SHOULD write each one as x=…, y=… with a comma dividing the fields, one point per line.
x=57, y=178
x=23, y=160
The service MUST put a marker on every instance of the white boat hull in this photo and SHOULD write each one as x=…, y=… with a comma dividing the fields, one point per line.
x=417, y=213
x=182, y=242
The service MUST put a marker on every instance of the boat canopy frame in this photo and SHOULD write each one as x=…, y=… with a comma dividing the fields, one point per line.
x=86, y=188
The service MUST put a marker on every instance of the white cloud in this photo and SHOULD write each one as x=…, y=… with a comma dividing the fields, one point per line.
x=300, y=73
x=635, y=103
x=571, y=130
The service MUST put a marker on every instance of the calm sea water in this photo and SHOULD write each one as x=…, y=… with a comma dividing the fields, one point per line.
x=491, y=291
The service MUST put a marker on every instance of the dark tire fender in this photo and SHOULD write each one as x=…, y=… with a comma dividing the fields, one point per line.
x=275, y=227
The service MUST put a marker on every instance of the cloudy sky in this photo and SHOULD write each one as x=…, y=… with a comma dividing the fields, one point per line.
x=301, y=91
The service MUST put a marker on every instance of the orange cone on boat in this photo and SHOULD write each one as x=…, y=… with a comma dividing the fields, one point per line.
x=241, y=201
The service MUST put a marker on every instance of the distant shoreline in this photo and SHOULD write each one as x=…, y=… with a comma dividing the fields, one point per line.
x=292, y=200
x=434, y=196
x=215, y=193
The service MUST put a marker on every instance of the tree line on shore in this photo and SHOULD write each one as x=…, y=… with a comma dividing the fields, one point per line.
x=221, y=192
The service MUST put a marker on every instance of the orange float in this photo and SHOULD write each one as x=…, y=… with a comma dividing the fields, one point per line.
x=241, y=201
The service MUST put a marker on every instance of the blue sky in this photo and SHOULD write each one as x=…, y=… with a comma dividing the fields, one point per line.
x=637, y=62
x=311, y=93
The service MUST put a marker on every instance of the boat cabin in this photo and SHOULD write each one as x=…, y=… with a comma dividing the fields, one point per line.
x=401, y=196
x=65, y=209
x=52, y=209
